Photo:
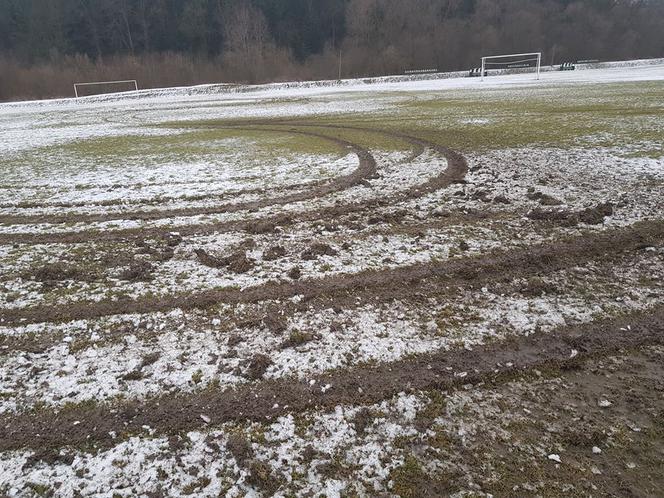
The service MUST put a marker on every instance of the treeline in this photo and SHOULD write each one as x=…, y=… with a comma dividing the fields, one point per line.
x=46, y=45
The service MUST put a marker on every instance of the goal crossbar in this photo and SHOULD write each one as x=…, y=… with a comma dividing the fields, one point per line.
x=531, y=56
x=77, y=85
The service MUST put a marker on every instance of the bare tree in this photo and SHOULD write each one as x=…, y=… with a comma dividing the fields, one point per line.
x=247, y=40
x=122, y=12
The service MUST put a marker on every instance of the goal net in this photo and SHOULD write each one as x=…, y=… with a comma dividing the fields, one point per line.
x=101, y=87
x=512, y=61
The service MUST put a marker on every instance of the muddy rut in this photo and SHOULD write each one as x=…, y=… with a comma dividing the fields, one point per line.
x=93, y=425
x=101, y=425
x=454, y=172
x=366, y=168
x=373, y=284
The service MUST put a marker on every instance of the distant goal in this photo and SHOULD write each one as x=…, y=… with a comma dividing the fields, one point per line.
x=102, y=87
x=513, y=61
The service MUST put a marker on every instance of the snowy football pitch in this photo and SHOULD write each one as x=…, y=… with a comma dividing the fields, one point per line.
x=398, y=288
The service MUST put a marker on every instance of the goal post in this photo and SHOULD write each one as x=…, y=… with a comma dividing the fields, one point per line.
x=513, y=61
x=133, y=83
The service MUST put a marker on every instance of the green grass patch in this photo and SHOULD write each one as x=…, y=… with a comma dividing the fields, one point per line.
x=191, y=143
x=607, y=115
x=622, y=115
x=203, y=141
x=298, y=133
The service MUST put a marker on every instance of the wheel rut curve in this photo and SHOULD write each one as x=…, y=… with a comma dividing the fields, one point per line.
x=365, y=169
x=455, y=171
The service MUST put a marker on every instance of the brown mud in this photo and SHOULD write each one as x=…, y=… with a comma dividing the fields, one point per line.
x=92, y=425
x=590, y=216
x=373, y=284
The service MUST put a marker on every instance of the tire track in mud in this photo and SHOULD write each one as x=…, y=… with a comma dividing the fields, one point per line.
x=95, y=425
x=91, y=186
x=366, y=169
x=148, y=201
x=371, y=284
x=153, y=201
x=455, y=172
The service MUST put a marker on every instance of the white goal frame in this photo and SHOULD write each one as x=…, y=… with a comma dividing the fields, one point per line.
x=532, y=56
x=77, y=85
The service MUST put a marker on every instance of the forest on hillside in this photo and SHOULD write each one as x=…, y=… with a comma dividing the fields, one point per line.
x=46, y=45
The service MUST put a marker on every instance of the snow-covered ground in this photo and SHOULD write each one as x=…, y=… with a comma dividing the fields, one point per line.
x=607, y=72
x=176, y=195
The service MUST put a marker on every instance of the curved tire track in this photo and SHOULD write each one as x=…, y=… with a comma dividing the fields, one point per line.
x=366, y=168
x=455, y=172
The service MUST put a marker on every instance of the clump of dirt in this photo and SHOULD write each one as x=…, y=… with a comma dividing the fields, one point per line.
x=336, y=468
x=236, y=262
x=48, y=455
x=536, y=287
x=273, y=253
x=295, y=273
x=275, y=323
x=258, y=366
x=596, y=215
x=58, y=272
x=297, y=338
x=412, y=481
x=318, y=249
x=591, y=216
x=138, y=271
x=260, y=476
x=544, y=199
x=239, y=263
x=240, y=448
x=141, y=244
x=501, y=199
